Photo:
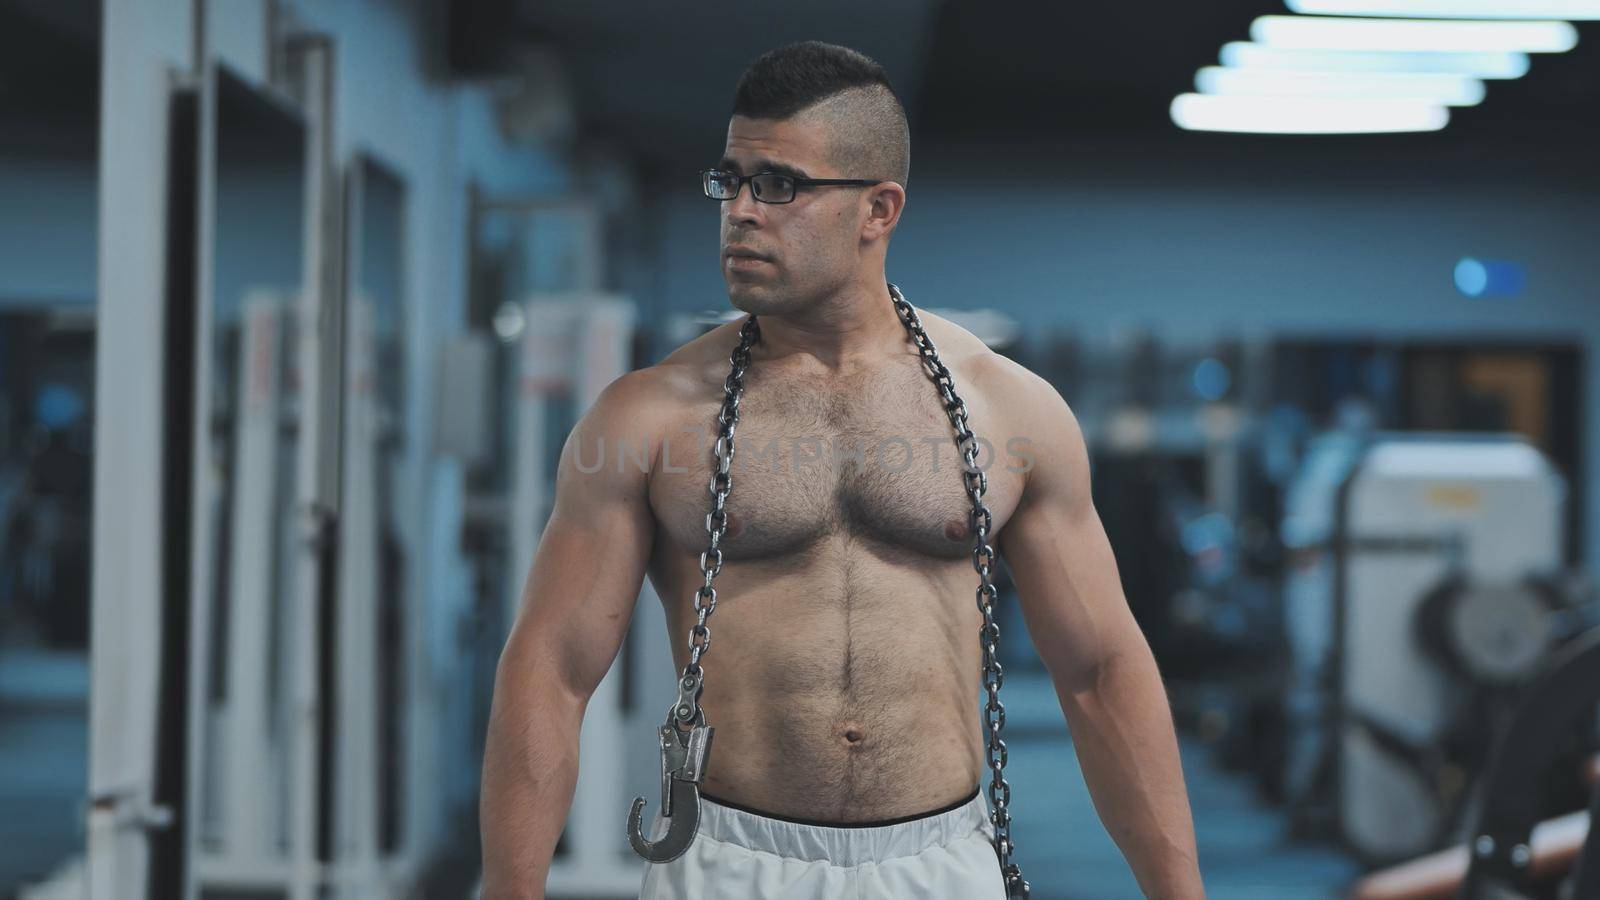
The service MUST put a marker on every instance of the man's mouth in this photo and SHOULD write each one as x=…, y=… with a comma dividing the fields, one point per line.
x=743, y=258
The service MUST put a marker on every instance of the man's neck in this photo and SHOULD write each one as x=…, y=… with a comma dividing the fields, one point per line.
x=851, y=328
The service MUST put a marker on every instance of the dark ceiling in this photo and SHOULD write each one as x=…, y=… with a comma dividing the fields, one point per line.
x=49, y=78
x=659, y=77
x=1067, y=68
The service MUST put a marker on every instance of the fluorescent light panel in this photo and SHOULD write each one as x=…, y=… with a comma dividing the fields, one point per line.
x=1413, y=35
x=1453, y=9
x=1305, y=115
x=1449, y=90
x=1245, y=55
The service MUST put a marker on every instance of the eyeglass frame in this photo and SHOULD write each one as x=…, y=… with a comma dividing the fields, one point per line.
x=797, y=181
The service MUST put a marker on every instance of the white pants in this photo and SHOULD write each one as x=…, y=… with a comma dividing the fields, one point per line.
x=741, y=855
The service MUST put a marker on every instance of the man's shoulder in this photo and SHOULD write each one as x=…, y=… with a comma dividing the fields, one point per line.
x=1015, y=400
x=989, y=371
x=640, y=404
x=705, y=356
x=678, y=383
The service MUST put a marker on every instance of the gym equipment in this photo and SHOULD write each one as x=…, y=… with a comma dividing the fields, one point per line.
x=1416, y=598
x=46, y=434
x=1510, y=852
x=385, y=716
x=1491, y=634
x=260, y=507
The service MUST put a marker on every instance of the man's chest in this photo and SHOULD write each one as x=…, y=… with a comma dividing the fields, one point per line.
x=869, y=459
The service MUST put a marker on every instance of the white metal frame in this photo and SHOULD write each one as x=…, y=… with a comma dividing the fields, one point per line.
x=357, y=745
x=142, y=50
x=251, y=771
x=322, y=348
x=248, y=857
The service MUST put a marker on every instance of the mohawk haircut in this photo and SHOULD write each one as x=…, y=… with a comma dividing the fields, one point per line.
x=846, y=92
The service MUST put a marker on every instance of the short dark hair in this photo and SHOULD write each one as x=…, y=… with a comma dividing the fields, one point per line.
x=848, y=91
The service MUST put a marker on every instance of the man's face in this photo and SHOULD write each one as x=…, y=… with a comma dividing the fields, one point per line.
x=804, y=249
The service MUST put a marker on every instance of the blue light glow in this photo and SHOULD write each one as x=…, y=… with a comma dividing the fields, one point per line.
x=57, y=406
x=1489, y=278
x=1472, y=278
x=1211, y=379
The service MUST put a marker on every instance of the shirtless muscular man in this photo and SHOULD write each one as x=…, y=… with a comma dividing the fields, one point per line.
x=849, y=745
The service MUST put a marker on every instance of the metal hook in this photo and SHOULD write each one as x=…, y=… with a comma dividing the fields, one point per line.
x=685, y=823
x=683, y=766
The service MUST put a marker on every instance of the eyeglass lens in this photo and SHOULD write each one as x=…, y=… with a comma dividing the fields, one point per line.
x=768, y=187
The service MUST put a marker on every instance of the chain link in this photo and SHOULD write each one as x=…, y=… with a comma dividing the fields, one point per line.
x=687, y=710
x=981, y=522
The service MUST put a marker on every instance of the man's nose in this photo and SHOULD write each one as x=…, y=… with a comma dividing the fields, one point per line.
x=744, y=207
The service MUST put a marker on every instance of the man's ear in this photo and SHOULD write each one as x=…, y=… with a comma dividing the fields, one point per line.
x=884, y=202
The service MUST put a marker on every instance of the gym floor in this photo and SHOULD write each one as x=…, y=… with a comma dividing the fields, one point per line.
x=44, y=753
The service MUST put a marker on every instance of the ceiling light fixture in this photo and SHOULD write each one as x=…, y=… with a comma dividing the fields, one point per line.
x=1413, y=35
x=1245, y=55
x=1305, y=115
x=1453, y=9
x=1448, y=90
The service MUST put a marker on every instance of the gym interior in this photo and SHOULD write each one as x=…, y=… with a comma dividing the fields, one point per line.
x=298, y=301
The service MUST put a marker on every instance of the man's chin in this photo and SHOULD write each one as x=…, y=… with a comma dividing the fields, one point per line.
x=755, y=299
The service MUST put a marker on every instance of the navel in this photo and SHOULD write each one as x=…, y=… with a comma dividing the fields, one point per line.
x=854, y=735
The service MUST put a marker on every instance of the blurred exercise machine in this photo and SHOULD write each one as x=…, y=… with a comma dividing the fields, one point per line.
x=1513, y=851
x=46, y=434
x=47, y=375
x=261, y=523
x=1424, y=589
x=1184, y=464
x=310, y=715
x=247, y=733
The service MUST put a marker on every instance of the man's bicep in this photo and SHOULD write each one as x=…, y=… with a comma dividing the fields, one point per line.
x=580, y=591
x=1060, y=557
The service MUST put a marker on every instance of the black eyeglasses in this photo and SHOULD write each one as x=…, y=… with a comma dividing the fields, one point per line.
x=767, y=187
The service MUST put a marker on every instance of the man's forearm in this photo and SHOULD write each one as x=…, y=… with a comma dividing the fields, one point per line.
x=530, y=768
x=1122, y=730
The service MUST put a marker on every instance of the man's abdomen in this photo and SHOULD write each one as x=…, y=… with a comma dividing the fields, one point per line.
x=850, y=704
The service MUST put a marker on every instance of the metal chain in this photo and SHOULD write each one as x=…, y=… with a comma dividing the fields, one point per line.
x=983, y=556
x=692, y=682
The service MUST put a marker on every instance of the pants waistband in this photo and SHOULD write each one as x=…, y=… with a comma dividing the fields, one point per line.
x=843, y=844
